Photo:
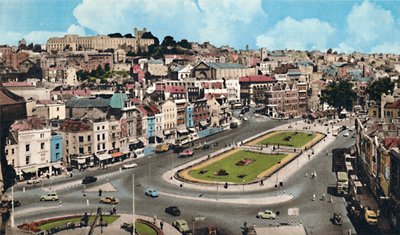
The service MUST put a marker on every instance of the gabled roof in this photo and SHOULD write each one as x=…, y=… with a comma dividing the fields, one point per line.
x=394, y=105
x=256, y=79
x=118, y=100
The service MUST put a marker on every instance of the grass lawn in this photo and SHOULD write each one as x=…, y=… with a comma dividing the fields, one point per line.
x=289, y=138
x=108, y=218
x=261, y=162
x=144, y=229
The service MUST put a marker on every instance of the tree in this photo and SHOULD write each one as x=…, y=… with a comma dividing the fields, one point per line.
x=37, y=48
x=107, y=67
x=115, y=35
x=329, y=51
x=128, y=35
x=168, y=41
x=339, y=95
x=378, y=87
x=185, y=44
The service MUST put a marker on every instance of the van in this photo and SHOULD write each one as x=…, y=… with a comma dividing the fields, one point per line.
x=162, y=148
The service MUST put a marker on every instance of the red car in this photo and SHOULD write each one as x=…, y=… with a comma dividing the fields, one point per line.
x=186, y=153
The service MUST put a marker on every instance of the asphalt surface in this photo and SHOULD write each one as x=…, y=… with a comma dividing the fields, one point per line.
x=314, y=215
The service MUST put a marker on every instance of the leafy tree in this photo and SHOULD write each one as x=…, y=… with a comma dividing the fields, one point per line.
x=130, y=53
x=185, y=44
x=149, y=35
x=115, y=35
x=168, y=41
x=107, y=67
x=37, y=48
x=128, y=35
x=339, y=95
x=329, y=51
x=378, y=87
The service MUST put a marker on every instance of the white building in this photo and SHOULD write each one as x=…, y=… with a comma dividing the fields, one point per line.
x=100, y=136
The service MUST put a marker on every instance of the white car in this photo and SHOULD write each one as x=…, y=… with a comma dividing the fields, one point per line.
x=346, y=134
x=129, y=165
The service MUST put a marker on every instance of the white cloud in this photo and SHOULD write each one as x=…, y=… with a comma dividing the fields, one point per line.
x=369, y=25
x=387, y=47
x=306, y=34
x=220, y=22
x=38, y=37
x=343, y=47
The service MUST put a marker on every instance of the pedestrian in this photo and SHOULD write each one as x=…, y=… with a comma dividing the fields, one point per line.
x=114, y=210
x=254, y=226
x=161, y=225
x=323, y=197
x=309, y=157
x=100, y=192
x=313, y=197
x=262, y=182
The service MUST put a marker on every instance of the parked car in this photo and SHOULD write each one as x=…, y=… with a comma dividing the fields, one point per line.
x=370, y=217
x=181, y=225
x=206, y=146
x=8, y=204
x=129, y=165
x=267, y=214
x=89, y=179
x=151, y=192
x=186, y=153
x=109, y=200
x=162, y=148
x=346, y=134
x=49, y=197
x=173, y=210
x=34, y=181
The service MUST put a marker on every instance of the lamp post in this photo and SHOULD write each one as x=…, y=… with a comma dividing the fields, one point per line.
x=150, y=170
x=133, y=204
x=12, y=207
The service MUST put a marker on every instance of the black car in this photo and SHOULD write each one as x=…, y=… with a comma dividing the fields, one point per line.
x=206, y=146
x=8, y=204
x=173, y=210
x=89, y=179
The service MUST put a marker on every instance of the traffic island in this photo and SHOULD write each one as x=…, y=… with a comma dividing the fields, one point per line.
x=253, y=161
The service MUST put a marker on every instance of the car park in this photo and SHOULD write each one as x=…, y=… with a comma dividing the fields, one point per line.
x=181, y=225
x=49, y=197
x=129, y=165
x=186, y=153
x=151, y=192
x=89, y=179
x=109, y=200
x=267, y=214
x=173, y=210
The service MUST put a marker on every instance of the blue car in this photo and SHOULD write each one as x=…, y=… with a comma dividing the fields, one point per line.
x=151, y=192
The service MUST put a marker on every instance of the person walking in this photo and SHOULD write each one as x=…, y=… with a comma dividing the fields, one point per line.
x=161, y=225
x=100, y=192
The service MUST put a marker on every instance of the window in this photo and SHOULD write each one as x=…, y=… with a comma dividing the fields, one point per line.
x=104, y=136
x=57, y=156
x=41, y=145
x=57, y=146
x=98, y=128
x=27, y=147
x=12, y=151
x=98, y=147
x=42, y=135
x=89, y=149
x=80, y=139
x=104, y=146
x=104, y=127
x=81, y=150
x=58, y=109
x=89, y=138
x=98, y=137
x=6, y=151
x=27, y=159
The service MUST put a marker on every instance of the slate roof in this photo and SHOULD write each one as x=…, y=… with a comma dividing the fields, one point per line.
x=226, y=66
x=88, y=103
x=118, y=100
x=256, y=78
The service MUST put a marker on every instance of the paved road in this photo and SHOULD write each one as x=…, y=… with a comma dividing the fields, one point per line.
x=313, y=214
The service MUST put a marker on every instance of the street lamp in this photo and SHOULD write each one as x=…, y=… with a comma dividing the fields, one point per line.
x=149, y=170
x=133, y=205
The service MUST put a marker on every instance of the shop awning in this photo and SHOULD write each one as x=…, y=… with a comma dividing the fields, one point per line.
x=203, y=123
x=117, y=154
x=29, y=170
x=192, y=129
x=142, y=139
x=182, y=131
x=103, y=157
x=57, y=166
x=81, y=160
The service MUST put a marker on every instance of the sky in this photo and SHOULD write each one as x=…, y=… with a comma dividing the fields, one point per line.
x=343, y=25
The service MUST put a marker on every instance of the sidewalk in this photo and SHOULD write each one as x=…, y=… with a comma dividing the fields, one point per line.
x=115, y=227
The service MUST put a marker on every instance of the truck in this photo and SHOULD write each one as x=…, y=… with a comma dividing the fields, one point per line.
x=342, y=183
x=162, y=148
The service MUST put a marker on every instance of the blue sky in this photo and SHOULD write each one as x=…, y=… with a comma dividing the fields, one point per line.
x=344, y=25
